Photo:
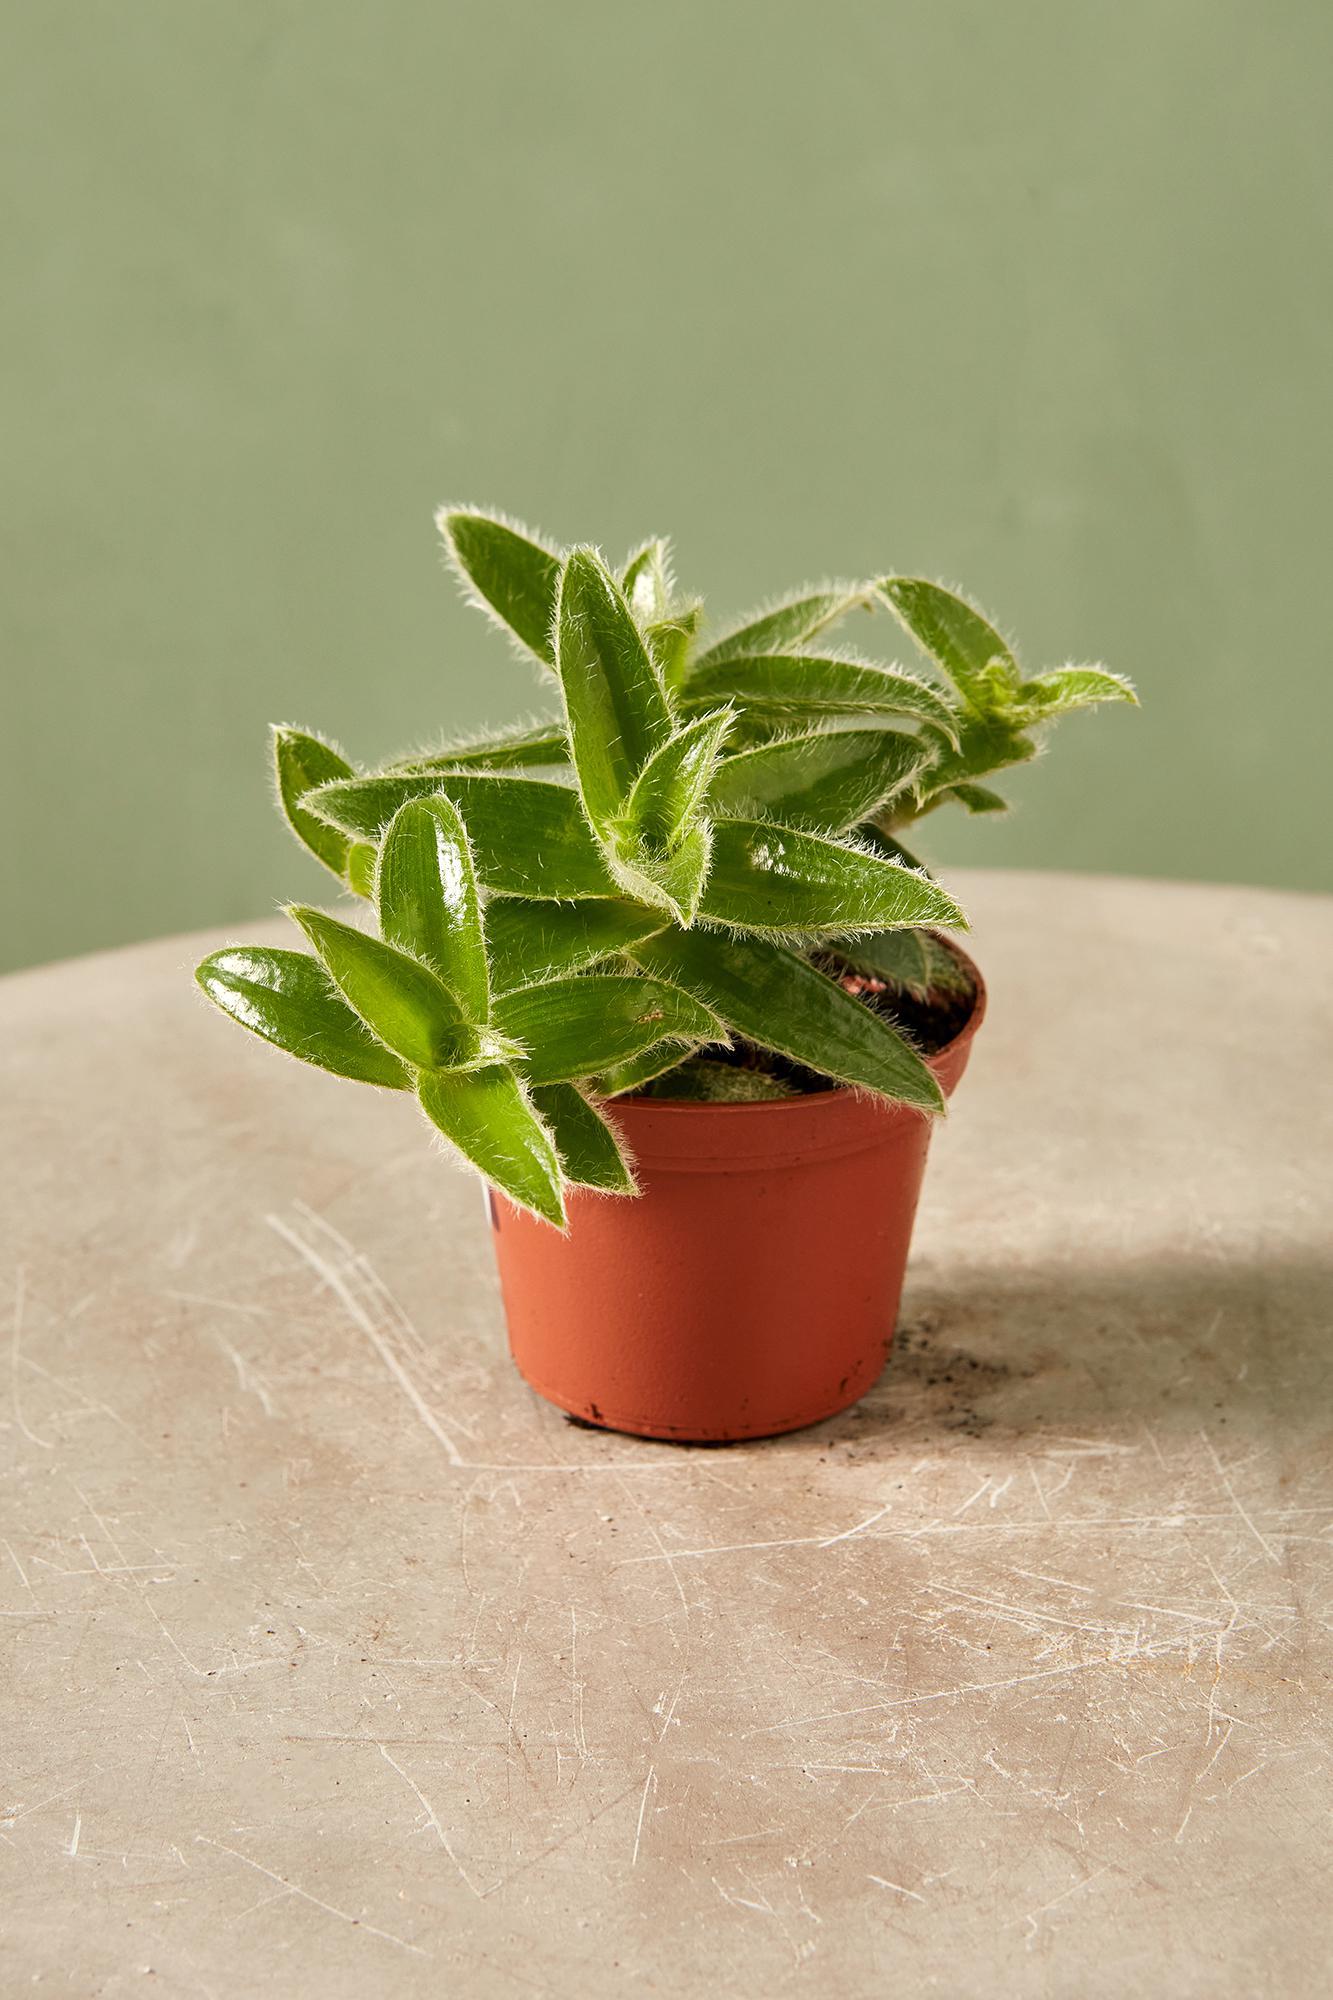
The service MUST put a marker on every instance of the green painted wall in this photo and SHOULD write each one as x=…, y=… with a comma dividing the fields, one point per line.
x=1037, y=297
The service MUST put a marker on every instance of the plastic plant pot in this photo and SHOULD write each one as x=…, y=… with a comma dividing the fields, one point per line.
x=753, y=1285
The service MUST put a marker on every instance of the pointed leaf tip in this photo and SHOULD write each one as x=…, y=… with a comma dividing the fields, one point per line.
x=488, y=1116
x=287, y=998
x=427, y=897
x=614, y=698
x=403, y=1002
x=506, y=571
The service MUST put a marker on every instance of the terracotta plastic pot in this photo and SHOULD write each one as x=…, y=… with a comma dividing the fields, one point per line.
x=751, y=1287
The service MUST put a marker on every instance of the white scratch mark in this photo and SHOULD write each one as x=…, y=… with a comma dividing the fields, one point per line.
x=23, y=1574
x=860, y=1527
x=73, y=1847
x=649, y=1784
x=972, y=1498
x=897, y=1887
x=1031, y=1918
x=248, y=1380
x=1233, y=1497
x=432, y=1820
x=334, y=1279
x=295, y=1889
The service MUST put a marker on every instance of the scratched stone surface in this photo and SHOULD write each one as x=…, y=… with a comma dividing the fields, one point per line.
x=336, y=1664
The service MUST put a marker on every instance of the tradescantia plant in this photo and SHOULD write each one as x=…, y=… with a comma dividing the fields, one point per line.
x=689, y=880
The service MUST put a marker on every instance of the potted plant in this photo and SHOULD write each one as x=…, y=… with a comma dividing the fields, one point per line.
x=660, y=968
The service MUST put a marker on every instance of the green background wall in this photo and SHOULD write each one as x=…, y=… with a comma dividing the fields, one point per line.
x=1037, y=297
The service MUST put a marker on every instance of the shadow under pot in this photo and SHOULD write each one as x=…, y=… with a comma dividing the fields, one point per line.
x=751, y=1287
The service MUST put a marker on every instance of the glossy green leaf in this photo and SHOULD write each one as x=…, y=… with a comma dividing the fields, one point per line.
x=289, y=999
x=591, y=1152
x=400, y=1000
x=614, y=698
x=669, y=792
x=426, y=894
x=512, y=749
x=301, y=762
x=827, y=779
x=1072, y=687
x=921, y=965
x=779, y=879
x=646, y=580
x=779, y=1000
x=798, y=690
x=578, y=1027
x=506, y=571
x=529, y=838
x=955, y=635
x=788, y=622
x=487, y=1115
x=530, y=942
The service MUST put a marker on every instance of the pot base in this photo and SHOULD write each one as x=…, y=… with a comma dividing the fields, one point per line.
x=592, y=1417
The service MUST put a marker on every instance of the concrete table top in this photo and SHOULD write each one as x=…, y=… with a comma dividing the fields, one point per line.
x=337, y=1664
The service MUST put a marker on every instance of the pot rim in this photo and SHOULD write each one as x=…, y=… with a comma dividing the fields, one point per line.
x=807, y=1101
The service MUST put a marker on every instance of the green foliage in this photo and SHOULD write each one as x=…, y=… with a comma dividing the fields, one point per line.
x=693, y=855
x=300, y=763
x=777, y=999
x=289, y=999
x=591, y=1154
x=830, y=779
x=698, y=1080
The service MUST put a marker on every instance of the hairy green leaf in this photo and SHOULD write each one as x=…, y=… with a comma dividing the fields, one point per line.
x=301, y=762
x=978, y=798
x=530, y=942
x=622, y=1078
x=426, y=894
x=486, y=1114
x=512, y=749
x=669, y=640
x=827, y=779
x=646, y=580
x=506, y=571
x=529, y=838
x=591, y=1151
x=779, y=879
x=1072, y=687
x=361, y=859
x=788, y=622
x=668, y=793
x=954, y=634
x=701, y=1080
x=876, y=837
x=614, y=698
x=777, y=999
x=578, y=1027
x=290, y=1000
x=400, y=1000
x=799, y=690
x=673, y=881
x=983, y=746
x=919, y=964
